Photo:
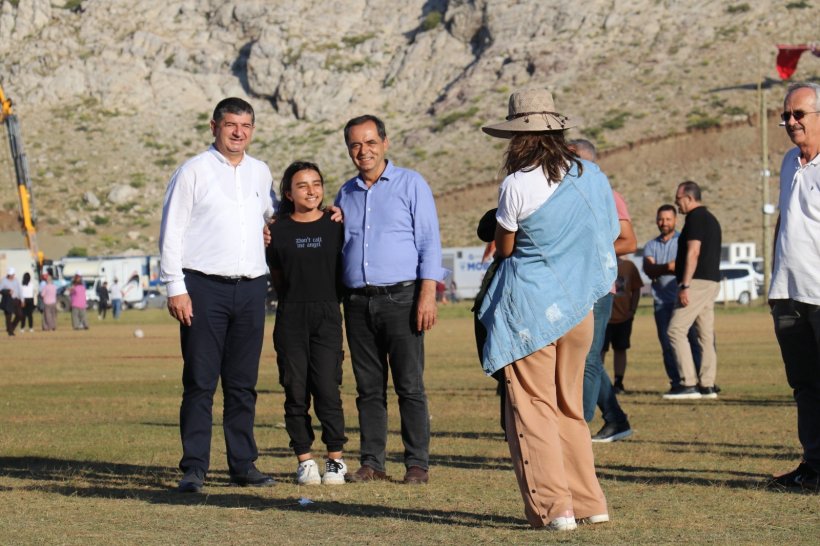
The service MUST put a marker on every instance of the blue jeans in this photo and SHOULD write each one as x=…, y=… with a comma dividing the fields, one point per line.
x=663, y=314
x=382, y=336
x=597, y=385
x=797, y=327
x=116, y=308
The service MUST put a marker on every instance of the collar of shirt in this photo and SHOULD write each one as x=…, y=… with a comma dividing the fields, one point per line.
x=224, y=159
x=388, y=172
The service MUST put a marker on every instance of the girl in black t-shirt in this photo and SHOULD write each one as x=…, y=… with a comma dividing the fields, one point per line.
x=304, y=260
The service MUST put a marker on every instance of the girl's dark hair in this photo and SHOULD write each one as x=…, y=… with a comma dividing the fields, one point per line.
x=26, y=278
x=548, y=150
x=286, y=205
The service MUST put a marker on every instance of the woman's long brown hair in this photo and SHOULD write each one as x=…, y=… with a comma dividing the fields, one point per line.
x=547, y=150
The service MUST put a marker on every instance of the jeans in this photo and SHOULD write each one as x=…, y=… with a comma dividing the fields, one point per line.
x=116, y=308
x=797, y=327
x=663, y=314
x=381, y=334
x=597, y=385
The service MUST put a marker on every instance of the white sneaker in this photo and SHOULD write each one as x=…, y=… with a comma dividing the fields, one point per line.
x=32, y=331
x=563, y=524
x=307, y=473
x=335, y=470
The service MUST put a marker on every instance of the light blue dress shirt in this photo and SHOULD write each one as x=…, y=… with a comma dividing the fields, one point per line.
x=665, y=287
x=391, y=230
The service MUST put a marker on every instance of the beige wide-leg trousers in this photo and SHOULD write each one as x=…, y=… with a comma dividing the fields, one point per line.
x=549, y=440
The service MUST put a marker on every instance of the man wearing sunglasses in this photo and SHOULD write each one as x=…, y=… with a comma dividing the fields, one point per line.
x=794, y=295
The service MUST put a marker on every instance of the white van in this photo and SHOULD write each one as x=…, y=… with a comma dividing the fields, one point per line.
x=738, y=282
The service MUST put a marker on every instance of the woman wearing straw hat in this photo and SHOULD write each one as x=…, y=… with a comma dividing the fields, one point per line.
x=556, y=227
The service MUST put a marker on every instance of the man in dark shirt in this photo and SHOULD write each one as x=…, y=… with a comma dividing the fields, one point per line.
x=697, y=270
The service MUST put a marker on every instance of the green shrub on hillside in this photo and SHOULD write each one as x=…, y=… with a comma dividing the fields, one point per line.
x=738, y=8
x=431, y=21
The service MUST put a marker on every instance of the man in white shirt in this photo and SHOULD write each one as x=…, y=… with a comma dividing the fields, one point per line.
x=213, y=266
x=795, y=289
x=116, y=298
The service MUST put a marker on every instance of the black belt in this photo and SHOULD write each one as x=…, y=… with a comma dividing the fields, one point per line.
x=217, y=278
x=371, y=290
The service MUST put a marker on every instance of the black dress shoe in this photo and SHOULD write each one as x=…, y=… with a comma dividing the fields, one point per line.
x=192, y=481
x=252, y=478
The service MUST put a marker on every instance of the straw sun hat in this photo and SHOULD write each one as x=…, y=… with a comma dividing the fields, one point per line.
x=530, y=110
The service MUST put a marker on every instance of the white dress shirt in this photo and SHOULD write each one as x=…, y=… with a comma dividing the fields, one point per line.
x=212, y=219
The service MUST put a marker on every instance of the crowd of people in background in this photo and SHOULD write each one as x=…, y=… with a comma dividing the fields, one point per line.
x=21, y=300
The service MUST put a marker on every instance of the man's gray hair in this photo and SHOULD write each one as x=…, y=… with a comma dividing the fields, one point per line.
x=806, y=85
x=582, y=144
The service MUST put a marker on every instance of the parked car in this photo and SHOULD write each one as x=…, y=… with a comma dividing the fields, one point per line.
x=757, y=265
x=738, y=282
x=153, y=299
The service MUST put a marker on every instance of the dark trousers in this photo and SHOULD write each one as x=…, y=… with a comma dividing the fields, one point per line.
x=28, y=314
x=13, y=317
x=224, y=340
x=381, y=333
x=308, y=342
x=797, y=327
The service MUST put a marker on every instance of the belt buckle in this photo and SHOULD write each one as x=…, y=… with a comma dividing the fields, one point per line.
x=371, y=291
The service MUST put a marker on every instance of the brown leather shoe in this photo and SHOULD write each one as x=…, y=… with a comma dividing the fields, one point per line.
x=367, y=474
x=416, y=475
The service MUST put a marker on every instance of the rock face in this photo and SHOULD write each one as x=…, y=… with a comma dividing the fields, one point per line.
x=119, y=93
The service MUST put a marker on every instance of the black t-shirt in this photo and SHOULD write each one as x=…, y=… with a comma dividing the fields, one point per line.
x=701, y=225
x=308, y=254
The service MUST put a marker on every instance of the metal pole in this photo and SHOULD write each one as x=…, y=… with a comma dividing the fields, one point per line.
x=765, y=174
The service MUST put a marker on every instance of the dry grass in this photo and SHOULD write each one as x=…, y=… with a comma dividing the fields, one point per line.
x=89, y=446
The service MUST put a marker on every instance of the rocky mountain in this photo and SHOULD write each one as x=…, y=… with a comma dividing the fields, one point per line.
x=113, y=95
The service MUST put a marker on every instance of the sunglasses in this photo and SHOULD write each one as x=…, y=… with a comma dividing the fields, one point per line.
x=798, y=115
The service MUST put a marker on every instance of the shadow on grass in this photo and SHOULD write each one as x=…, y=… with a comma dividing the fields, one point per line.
x=683, y=476
x=658, y=401
x=145, y=483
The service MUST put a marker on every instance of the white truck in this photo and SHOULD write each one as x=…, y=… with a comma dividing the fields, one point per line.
x=467, y=269
x=130, y=271
x=21, y=260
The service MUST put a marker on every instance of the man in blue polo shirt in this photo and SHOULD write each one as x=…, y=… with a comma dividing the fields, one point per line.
x=391, y=263
x=659, y=265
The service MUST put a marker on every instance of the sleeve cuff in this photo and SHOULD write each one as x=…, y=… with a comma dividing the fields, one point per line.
x=176, y=288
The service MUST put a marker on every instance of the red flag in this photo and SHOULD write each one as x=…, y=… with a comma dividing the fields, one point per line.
x=788, y=55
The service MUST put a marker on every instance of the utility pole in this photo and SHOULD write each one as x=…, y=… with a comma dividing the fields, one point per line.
x=768, y=209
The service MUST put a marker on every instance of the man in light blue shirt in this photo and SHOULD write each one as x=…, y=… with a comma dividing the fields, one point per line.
x=659, y=265
x=391, y=264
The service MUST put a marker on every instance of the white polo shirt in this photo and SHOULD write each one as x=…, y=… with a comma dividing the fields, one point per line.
x=212, y=219
x=796, y=273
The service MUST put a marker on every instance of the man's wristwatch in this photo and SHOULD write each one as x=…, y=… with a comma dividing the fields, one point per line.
x=683, y=286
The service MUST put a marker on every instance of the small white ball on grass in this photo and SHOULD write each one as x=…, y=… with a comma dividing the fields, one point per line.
x=139, y=333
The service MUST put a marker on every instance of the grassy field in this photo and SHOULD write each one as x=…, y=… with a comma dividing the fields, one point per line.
x=89, y=446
